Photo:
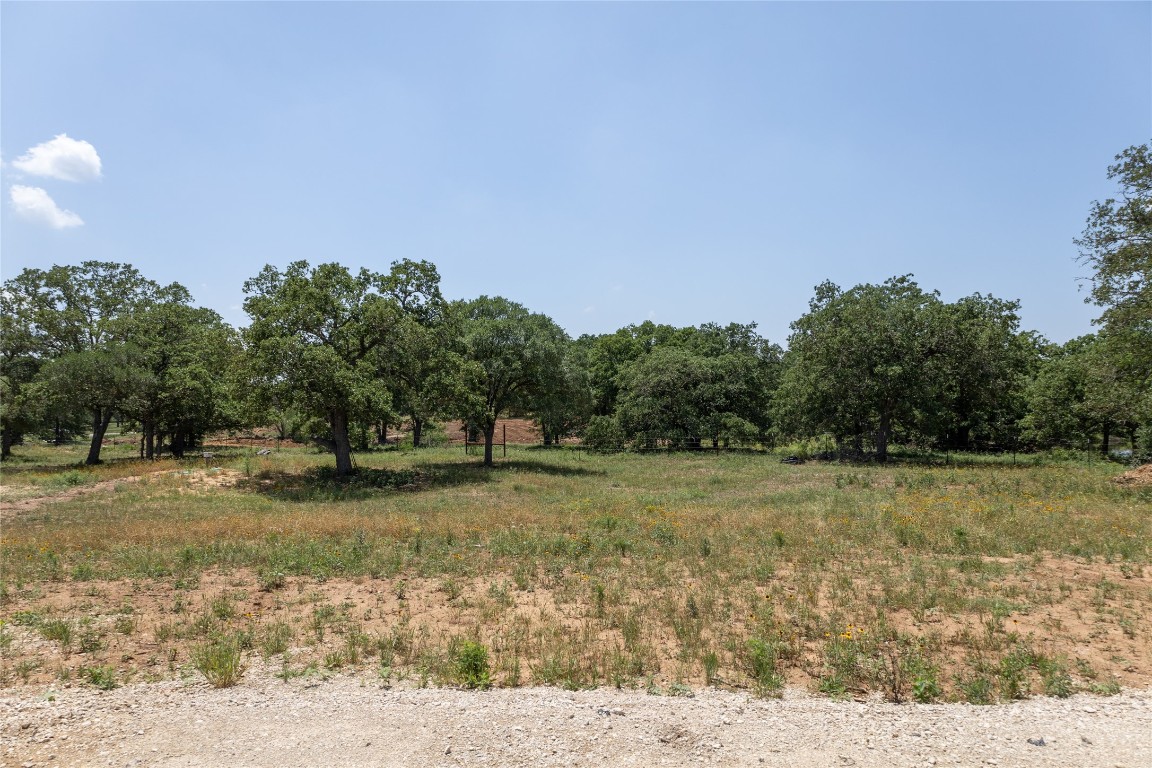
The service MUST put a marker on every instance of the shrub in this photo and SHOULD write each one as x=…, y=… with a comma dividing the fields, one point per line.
x=603, y=433
x=220, y=662
x=471, y=661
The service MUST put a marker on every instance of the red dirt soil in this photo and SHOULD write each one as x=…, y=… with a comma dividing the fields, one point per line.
x=1142, y=475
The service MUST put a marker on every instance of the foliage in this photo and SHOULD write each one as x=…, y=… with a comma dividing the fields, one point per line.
x=860, y=364
x=221, y=661
x=513, y=356
x=471, y=665
x=82, y=315
x=1117, y=243
x=317, y=335
x=603, y=433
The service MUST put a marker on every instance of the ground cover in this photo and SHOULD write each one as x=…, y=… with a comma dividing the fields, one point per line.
x=980, y=582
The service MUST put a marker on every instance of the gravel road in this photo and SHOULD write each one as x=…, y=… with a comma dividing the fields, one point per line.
x=352, y=721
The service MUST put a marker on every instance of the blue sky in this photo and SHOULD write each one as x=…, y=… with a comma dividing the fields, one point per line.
x=601, y=163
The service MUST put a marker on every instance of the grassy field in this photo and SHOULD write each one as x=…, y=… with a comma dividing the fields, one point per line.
x=982, y=582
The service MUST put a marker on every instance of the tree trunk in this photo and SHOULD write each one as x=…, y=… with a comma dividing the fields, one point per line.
x=547, y=436
x=1107, y=438
x=882, y=437
x=339, y=422
x=148, y=440
x=177, y=443
x=7, y=439
x=417, y=431
x=381, y=433
x=101, y=418
x=58, y=434
x=489, y=436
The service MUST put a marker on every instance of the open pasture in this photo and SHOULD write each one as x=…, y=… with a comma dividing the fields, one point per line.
x=979, y=582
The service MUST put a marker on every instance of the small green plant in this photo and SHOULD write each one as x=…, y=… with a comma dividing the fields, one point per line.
x=1058, y=683
x=711, y=665
x=222, y=608
x=471, y=665
x=220, y=661
x=450, y=588
x=59, y=630
x=24, y=669
x=763, y=656
x=274, y=639
x=83, y=571
x=126, y=625
x=102, y=677
x=91, y=641
x=976, y=690
x=271, y=581
x=925, y=688
x=833, y=685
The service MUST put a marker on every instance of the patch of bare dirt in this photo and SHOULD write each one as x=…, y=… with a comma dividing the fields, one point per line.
x=519, y=431
x=1139, y=476
x=147, y=629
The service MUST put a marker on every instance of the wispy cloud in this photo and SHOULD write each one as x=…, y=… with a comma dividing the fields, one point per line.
x=61, y=158
x=35, y=204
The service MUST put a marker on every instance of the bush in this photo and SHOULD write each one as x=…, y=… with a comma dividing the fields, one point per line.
x=603, y=433
x=472, y=669
x=220, y=662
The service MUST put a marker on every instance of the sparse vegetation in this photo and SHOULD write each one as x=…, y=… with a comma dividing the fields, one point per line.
x=604, y=569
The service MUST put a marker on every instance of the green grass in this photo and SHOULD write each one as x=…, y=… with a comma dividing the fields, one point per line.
x=719, y=568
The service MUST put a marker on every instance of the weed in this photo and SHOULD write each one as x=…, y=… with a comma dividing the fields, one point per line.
x=763, y=657
x=220, y=661
x=471, y=665
x=59, y=630
x=24, y=669
x=102, y=677
x=711, y=664
x=274, y=639
x=91, y=641
x=271, y=581
x=126, y=625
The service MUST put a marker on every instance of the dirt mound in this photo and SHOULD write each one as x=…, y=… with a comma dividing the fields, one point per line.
x=1142, y=475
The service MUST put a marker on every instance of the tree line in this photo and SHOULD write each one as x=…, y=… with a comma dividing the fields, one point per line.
x=341, y=356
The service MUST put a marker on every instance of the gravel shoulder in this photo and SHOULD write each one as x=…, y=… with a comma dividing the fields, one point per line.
x=352, y=721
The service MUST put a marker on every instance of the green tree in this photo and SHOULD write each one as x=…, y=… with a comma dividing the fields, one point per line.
x=188, y=357
x=983, y=363
x=20, y=361
x=566, y=406
x=710, y=382
x=1117, y=243
x=316, y=335
x=1057, y=415
x=75, y=315
x=515, y=356
x=423, y=360
x=858, y=364
x=607, y=355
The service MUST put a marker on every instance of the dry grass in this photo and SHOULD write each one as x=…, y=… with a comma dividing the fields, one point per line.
x=982, y=582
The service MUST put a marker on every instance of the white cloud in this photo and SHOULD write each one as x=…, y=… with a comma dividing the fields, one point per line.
x=590, y=309
x=61, y=158
x=35, y=204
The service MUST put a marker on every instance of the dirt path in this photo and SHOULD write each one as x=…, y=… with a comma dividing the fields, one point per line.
x=352, y=721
